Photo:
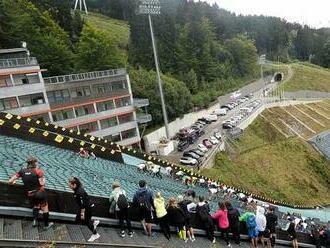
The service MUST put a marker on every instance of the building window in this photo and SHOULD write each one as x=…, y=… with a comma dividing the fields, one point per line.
x=33, y=99
x=122, y=102
x=111, y=122
x=113, y=137
x=129, y=133
x=84, y=110
x=88, y=127
x=63, y=115
x=8, y=103
x=125, y=118
x=58, y=96
x=80, y=92
x=103, y=106
x=118, y=85
x=5, y=81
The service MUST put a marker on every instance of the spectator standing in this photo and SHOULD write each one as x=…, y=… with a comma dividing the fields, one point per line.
x=177, y=218
x=204, y=218
x=271, y=223
x=223, y=223
x=315, y=235
x=83, y=153
x=118, y=195
x=161, y=215
x=233, y=217
x=261, y=224
x=143, y=200
x=250, y=219
x=34, y=184
x=84, y=214
x=292, y=233
x=183, y=204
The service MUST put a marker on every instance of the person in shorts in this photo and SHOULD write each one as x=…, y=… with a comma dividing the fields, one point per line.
x=34, y=184
x=143, y=200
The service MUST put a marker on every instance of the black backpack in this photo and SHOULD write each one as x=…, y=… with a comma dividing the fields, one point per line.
x=122, y=202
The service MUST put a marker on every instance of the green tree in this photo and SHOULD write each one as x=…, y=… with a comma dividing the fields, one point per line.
x=326, y=54
x=95, y=51
x=190, y=79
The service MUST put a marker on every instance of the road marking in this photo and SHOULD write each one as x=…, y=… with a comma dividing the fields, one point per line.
x=304, y=113
x=316, y=111
x=307, y=127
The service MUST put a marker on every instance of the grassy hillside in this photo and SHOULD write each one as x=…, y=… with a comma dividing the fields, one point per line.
x=113, y=28
x=308, y=77
x=265, y=162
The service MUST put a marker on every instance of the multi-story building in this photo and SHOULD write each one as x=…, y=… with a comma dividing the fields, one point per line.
x=100, y=103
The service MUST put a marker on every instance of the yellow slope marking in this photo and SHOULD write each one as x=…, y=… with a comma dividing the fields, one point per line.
x=316, y=111
x=307, y=127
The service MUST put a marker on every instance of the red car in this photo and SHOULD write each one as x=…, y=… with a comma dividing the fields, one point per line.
x=207, y=143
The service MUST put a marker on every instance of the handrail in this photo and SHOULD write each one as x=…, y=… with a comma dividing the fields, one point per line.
x=18, y=62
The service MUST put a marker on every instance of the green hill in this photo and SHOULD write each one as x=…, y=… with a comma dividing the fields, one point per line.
x=115, y=29
x=271, y=161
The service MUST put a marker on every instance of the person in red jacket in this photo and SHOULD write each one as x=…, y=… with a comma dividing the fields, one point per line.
x=34, y=184
x=223, y=223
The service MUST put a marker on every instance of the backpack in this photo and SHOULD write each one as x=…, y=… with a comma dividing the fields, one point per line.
x=251, y=222
x=122, y=202
x=202, y=213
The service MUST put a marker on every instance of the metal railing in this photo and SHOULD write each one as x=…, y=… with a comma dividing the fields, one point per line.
x=143, y=118
x=84, y=76
x=17, y=62
x=139, y=102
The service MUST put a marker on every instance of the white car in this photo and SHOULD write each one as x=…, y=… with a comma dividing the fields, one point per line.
x=188, y=161
x=214, y=140
x=202, y=148
x=217, y=135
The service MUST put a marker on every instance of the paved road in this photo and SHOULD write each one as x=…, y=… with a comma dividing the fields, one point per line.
x=256, y=88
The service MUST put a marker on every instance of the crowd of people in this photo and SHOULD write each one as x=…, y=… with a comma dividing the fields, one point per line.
x=181, y=212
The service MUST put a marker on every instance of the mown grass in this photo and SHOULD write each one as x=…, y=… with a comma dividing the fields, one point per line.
x=268, y=164
x=115, y=29
x=308, y=77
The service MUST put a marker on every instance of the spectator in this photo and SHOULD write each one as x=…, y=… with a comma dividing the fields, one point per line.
x=327, y=238
x=177, y=218
x=261, y=224
x=212, y=192
x=204, y=218
x=142, y=167
x=91, y=154
x=292, y=233
x=168, y=170
x=250, y=219
x=223, y=223
x=83, y=153
x=34, y=184
x=183, y=204
x=156, y=171
x=161, y=215
x=315, y=235
x=149, y=166
x=84, y=215
x=271, y=223
x=143, y=200
x=118, y=195
x=233, y=217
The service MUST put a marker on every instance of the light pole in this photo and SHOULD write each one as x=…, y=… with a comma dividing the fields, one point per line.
x=152, y=7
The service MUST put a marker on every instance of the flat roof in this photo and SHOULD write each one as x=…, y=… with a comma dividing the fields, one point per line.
x=13, y=50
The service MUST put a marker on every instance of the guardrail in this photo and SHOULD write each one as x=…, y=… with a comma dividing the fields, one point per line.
x=84, y=76
x=143, y=118
x=17, y=62
x=139, y=102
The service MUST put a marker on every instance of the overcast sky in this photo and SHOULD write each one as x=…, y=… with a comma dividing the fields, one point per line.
x=315, y=13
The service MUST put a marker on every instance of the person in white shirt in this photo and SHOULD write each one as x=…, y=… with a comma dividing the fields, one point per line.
x=141, y=167
x=212, y=192
x=261, y=224
x=168, y=170
x=156, y=171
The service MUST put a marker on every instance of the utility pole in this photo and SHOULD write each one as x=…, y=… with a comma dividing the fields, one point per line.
x=152, y=7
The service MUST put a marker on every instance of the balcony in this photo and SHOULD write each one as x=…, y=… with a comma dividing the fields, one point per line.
x=84, y=76
x=139, y=103
x=18, y=62
x=143, y=118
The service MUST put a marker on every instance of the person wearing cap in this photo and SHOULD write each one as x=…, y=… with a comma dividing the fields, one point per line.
x=161, y=215
x=121, y=208
x=34, y=183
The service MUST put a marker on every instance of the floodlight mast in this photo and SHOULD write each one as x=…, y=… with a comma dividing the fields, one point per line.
x=152, y=7
x=82, y=4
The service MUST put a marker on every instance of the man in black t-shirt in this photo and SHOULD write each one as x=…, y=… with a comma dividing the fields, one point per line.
x=34, y=184
x=270, y=232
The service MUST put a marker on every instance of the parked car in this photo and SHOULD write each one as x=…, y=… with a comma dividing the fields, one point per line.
x=205, y=120
x=202, y=148
x=220, y=111
x=217, y=135
x=227, y=125
x=198, y=152
x=207, y=143
x=183, y=145
x=188, y=161
x=212, y=117
x=214, y=140
x=191, y=154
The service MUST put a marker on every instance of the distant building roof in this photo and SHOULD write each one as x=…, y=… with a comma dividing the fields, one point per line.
x=13, y=50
